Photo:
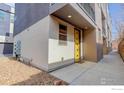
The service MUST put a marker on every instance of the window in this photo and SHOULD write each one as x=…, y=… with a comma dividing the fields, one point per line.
x=62, y=32
x=7, y=34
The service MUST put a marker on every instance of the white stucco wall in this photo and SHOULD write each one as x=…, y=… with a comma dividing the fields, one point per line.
x=40, y=43
x=54, y=47
x=58, y=53
x=34, y=43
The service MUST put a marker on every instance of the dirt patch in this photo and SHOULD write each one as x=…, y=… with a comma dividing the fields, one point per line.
x=13, y=72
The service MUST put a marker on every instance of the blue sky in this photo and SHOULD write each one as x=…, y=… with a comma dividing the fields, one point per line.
x=116, y=14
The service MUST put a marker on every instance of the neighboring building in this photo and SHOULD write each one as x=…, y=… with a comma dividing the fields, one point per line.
x=115, y=44
x=106, y=29
x=50, y=36
x=6, y=29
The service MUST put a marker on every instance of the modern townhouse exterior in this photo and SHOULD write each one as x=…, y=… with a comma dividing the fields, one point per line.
x=6, y=29
x=51, y=36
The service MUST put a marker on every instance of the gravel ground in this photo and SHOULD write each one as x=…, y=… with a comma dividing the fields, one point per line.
x=13, y=72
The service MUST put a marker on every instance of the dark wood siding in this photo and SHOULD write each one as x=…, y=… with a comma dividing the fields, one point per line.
x=26, y=14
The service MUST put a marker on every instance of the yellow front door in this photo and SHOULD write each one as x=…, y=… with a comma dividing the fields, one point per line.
x=77, y=45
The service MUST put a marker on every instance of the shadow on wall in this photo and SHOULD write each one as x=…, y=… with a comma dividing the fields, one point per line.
x=42, y=78
x=55, y=34
x=99, y=51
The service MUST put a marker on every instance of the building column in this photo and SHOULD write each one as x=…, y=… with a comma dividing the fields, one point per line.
x=90, y=46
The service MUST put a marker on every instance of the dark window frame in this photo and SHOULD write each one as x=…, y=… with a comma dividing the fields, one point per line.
x=62, y=32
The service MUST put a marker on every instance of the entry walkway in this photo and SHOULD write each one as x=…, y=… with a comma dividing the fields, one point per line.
x=109, y=71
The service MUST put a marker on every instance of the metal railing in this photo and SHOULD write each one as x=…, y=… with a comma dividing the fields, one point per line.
x=88, y=9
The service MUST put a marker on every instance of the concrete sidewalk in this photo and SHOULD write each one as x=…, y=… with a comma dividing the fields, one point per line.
x=109, y=71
